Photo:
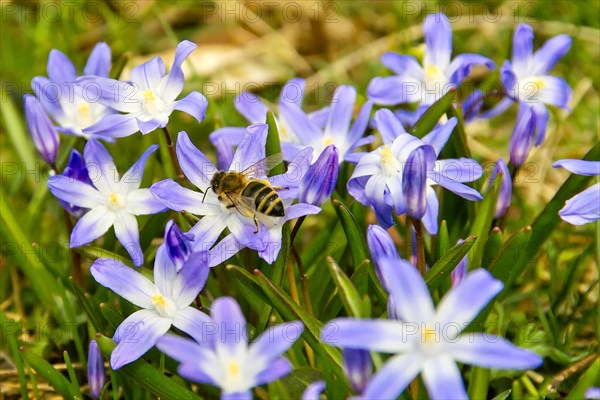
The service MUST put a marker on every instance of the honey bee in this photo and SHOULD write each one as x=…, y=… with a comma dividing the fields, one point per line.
x=248, y=194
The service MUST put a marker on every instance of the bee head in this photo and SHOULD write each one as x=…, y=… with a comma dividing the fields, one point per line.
x=216, y=179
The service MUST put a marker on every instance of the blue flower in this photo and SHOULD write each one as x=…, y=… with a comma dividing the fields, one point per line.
x=427, y=83
x=429, y=341
x=217, y=217
x=592, y=393
x=178, y=245
x=230, y=362
x=164, y=303
x=584, y=207
x=501, y=171
x=73, y=110
x=460, y=271
x=96, y=374
x=358, y=368
x=313, y=391
x=148, y=100
x=40, y=128
x=399, y=175
x=112, y=201
x=319, y=182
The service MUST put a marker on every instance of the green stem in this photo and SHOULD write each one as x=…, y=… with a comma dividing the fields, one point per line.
x=173, y=154
x=421, y=266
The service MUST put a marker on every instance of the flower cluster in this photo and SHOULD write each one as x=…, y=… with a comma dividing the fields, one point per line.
x=379, y=158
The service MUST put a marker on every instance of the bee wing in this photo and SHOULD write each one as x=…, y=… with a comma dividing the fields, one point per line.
x=244, y=205
x=262, y=167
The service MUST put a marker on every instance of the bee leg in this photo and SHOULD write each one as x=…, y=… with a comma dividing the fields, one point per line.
x=279, y=188
x=256, y=223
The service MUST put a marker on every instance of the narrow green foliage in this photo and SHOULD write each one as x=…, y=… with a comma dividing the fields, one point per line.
x=432, y=116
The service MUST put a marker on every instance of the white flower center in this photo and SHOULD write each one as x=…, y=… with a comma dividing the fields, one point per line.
x=152, y=103
x=436, y=84
x=116, y=202
x=83, y=116
x=529, y=88
x=164, y=306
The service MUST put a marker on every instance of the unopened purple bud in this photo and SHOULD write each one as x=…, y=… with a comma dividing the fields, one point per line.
x=522, y=137
x=414, y=180
x=505, y=188
x=75, y=170
x=381, y=246
x=319, y=182
x=358, y=368
x=43, y=133
x=460, y=271
x=96, y=376
x=472, y=105
x=178, y=244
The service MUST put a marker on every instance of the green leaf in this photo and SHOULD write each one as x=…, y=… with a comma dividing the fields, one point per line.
x=90, y=308
x=503, y=396
x=16, y=131
x=354, y=233
x=493, y=248
x=113, y=317
x=273, y=144
x=457, y=144
x=446, y=264
x=345, y=289
x=50, y=375
x=296, y=383
x=246, y=284
x=548, y=219
x=145, y=375
x=10, y=337
x=432, y=116
x=588, y=379
x=72, y=375
x=290, y=311
x=94, y=252
x=509, y=264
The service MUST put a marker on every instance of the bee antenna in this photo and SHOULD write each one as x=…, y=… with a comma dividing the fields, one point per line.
x=206, y=191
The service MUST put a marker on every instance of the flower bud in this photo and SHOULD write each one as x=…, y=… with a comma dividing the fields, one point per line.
x=414, y=180
x=522, y=137
x=319, y=182
x=358, y=368
x=43, y=133
x=505, y=188
x=96, y=375
x=178, y=244
x=460, y=271
x=381, y=246
x=75, y=170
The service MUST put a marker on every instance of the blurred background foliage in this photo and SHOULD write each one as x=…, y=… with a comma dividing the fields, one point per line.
x=257, y=46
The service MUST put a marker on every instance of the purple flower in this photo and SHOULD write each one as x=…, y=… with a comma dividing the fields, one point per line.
x=398, y=177
x=381, y=246
x=164, y=303
x=96, y=374
x=230, y=362
x=429, y=341
x=41, y=129
x=199, y=170
x=313, y=391
x=460, y=271
x=73, y=110
x=319, y=182
x=523, y=135
x=585, y=206
x=501, y=170
x=112, y=201
x=148, y=100
x=75, y=170
x=427, y=83
x=592, y=393
x=178, y=245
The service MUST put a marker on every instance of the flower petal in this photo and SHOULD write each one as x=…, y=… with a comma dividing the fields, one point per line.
x=224, y=140
x=464, y=302
x=172, y=84
x=313, y=391
x=580, y=167
x=251, y=149
x=124, y=281
x=231, y=326
x=461, y=66
x=490, y=351
x=430, y=219
x=164, y=272
x=276, y=369
x=549, y=54
x=393, y=377
x=207, y=231
x=555, y=91
x=251, y=107
x=522, y=136
x=359, y=126
x=194, y=104
x=402, y=64
x=49, y=94
x=128, y=233
x=440, y=135
x=148, y=328
x=340, y=114
x=191, y=279
x=98, y=63
x=199, y=372
x=148, y=75
x=292, y=92
x=75, y=192
x=60, y=68
x=118, y=95
x=195, y=165
x=44, y=135
x=195, y=323
x=393, y=90
x=179, y=198
x=456, y=170
x=388, y=125
x=442, y=379
x=101, y=168
x=143, y=202
x=386, y=336
x=132, y=179
x=302, y=124
x=438, y=41
x=460, y=189
x=246, y=395
x=114, y=126
x=186, y=350
x=583, y=207
x=522, y=52
x=407, y=287
x=274, y=342
x=91, y=226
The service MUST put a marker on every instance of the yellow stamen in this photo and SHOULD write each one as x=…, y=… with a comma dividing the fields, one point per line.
x=83, y=108
x=428, y=335
x=114, y=199
x=158, y=300
x=233, y=368
x=149, y=95
x=327, y=141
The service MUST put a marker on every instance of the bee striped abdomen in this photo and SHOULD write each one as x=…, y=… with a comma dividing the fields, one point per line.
x=266, y=200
